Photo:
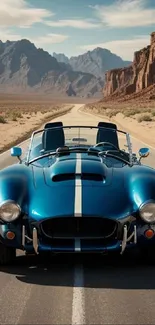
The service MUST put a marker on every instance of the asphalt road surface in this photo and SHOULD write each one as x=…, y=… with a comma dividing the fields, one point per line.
x=77, y=289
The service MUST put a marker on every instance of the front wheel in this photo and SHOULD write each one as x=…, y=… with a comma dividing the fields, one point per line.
x=148, y=255
x=7, y=254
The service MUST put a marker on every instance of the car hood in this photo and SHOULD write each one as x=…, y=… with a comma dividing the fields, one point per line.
x=92, y=171
x=102, y=190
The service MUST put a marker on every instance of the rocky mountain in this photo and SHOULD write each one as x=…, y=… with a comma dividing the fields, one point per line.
x=24, y=68
x=60, y=57
x=96, y=62
x=137, y=79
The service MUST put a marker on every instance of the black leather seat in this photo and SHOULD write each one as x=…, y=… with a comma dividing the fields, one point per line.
x=107, y=135
x=53, y=139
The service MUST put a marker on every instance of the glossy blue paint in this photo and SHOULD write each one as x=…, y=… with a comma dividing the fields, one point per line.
x=115, y=246
x=16, y=242
x=46, y=198
x=16, y=152
x=46, y=189
x=144, y=152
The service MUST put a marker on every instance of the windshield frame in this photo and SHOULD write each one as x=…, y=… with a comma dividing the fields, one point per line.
x=129, y=144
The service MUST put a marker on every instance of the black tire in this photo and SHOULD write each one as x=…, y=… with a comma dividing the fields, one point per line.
x=7, y=254
x=45, y=256
x=148, y=255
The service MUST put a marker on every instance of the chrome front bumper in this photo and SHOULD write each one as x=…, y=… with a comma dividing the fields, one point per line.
x=123, y=244
x=34, y=239
x=127, y=239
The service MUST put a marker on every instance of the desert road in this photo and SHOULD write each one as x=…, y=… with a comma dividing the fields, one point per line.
x=77, y=289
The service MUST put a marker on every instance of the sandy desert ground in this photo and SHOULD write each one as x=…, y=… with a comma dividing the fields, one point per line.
x=19, y=116
x=137, y=119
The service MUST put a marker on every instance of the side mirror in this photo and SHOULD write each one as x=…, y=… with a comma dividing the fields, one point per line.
x=144, y=152
x=16, y=152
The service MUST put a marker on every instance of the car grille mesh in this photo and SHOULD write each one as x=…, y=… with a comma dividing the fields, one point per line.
x=82, y=227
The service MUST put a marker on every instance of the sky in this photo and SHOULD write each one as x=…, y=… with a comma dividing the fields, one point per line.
x=73, y=27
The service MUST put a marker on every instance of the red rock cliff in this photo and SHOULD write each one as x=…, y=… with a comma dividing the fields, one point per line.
x=132, y=79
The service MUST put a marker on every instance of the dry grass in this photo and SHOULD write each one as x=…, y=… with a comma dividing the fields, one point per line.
x=131, y=112
x=15, y=111
x=2, y=119
x=18, y=118
x=138, y=112
x=136, y=118
x=112, y=112
x=145, y=117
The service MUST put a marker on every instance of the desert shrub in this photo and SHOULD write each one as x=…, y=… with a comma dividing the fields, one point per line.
x=131, y=112
x=146, y=118
x=17, y=114
x=2, y=119
x=113, y=112
x=14, y=115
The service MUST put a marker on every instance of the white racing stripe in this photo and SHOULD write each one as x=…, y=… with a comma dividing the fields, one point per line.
x=78, y=304
x=78, y=188
x=77, y=245
x=78, y=308
x=78, y=197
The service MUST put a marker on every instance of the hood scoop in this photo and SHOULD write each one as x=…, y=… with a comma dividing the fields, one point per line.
x=82, y=176
x=91, y=173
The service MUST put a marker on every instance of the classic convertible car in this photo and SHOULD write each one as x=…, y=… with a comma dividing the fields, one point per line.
x=77, y=189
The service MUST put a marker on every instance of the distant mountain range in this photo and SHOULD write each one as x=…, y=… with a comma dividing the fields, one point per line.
x=96, y=62
x=26, y=69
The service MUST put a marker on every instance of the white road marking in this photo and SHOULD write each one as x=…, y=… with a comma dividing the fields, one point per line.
x=21, y=144
x=108, y=120
x=146, y=144
x=78, y=188
x=7, y=152
x=78, y=304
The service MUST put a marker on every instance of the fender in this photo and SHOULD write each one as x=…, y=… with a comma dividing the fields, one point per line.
x=14, y=183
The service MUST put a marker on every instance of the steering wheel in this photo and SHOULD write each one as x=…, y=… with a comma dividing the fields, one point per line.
x=105, y=144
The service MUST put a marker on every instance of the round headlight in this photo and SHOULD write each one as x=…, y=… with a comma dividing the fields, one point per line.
x=147, y=212
x=9, y=211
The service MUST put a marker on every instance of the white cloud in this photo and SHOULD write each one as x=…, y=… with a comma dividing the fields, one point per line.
x=124, y=48
x=74, y=23
x=19, y=14
x=126, y=13
x=6, y=35
x=49, y=39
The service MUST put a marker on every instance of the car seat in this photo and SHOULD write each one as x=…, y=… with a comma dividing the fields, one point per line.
x=53, y=139
x=107, y=135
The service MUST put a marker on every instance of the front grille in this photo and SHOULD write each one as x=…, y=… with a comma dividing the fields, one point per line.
x=81, y=227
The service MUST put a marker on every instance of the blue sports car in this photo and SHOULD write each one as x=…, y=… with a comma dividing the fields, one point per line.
x=77, y=189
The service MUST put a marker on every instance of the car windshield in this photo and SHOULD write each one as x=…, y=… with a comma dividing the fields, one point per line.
x=48, y=140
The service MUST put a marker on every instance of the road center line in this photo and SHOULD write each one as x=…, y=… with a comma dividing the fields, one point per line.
x=78, y=304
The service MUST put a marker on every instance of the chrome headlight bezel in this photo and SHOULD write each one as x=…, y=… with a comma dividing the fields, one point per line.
x=15, y=214
x=148, y=208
